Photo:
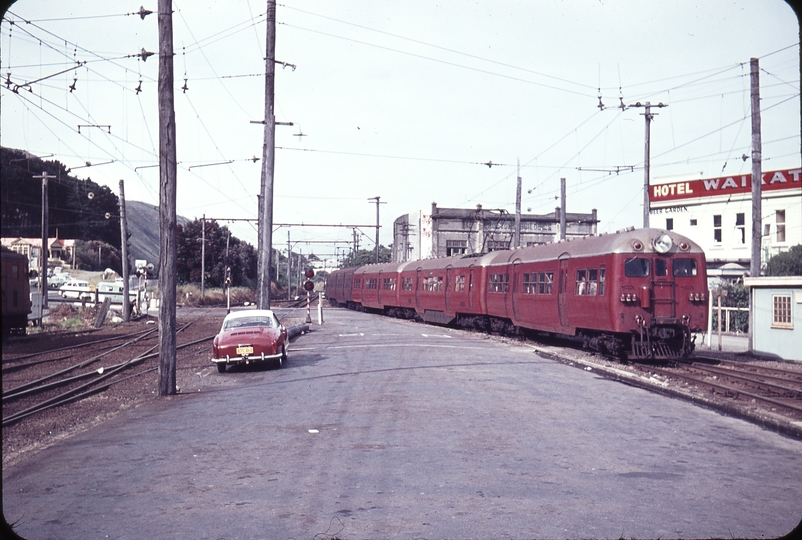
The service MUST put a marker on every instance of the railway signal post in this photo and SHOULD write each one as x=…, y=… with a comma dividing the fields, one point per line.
x=309, y=286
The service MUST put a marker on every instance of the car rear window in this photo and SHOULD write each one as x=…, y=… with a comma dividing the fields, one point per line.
x=243, y=322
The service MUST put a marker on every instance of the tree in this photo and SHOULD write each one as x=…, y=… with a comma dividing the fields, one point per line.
x=97, y=256
x=788, y=263
x=241, y=255
x=78, y=209
x=367, y=256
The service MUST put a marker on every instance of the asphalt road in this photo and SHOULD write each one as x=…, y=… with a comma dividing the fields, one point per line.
x=378, y=428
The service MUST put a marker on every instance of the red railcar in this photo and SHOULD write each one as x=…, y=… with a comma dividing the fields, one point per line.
x=639, y=292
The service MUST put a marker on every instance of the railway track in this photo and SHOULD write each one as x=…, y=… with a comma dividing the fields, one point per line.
x=36, y=382
x=777, y=390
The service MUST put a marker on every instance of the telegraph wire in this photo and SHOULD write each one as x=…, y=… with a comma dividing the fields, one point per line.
x=453, y=64
x=438, y=47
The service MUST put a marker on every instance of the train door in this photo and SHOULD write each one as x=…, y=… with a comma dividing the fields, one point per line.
x=470, y=289
x=417, y=285
x=515, y=287
x=563, y=291
x=664, y=302
x=447, y=287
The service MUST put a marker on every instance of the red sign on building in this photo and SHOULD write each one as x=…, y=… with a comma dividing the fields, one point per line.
x=725, y=185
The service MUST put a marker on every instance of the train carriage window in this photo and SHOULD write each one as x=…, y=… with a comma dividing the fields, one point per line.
x=593, y=282
x=545, y=284
x=357, y=283
x=685, y=267
x=459, y=283
x=581, y=282
x=601, y=281
x=389, y=284
x=529, y=283
x=660, y=267
x=498, y=283
x=636, y=267
x=371, y=283
x=407, y=284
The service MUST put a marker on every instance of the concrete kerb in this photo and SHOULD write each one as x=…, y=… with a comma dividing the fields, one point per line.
x=779, y=425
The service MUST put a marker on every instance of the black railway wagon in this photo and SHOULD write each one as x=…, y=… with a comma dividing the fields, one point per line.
x=16, y=292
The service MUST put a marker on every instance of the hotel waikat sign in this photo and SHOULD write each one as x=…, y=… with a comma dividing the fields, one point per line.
x=789, y=179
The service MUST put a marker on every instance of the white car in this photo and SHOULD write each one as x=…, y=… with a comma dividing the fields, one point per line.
x=77, y=288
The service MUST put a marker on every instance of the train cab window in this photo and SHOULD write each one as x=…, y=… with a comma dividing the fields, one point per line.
x=660, y=267
x=636, y=267
x=685, y=267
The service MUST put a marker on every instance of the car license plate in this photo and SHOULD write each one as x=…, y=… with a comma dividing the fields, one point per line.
x=242, y=350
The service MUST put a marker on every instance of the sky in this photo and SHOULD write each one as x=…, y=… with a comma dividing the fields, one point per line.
x=405, y=101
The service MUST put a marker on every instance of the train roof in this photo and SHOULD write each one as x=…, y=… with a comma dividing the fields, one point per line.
x=620, y=242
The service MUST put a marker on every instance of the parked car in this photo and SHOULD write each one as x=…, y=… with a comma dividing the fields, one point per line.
x=57, y=280
x=77, y=288
x=250, y=336
x=114, y=292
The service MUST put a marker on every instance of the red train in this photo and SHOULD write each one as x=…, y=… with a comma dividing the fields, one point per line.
x=637, y=293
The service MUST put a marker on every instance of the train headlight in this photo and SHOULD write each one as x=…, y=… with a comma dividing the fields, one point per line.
x=663, y=243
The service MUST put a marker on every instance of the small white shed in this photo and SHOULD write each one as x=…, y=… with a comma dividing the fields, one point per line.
x=776, y=316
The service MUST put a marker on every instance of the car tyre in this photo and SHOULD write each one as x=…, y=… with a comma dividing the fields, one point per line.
x=221, y=367
x=282, y=358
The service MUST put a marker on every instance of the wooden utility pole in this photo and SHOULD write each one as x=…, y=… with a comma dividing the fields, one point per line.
x=757, y=172
x=167, y=203
x=124, y=234
x=647, y=151
x=43, y=253
x=203, y=257
x=757, y=181
x=517, y=236
x=377, y=224
x=563, y=217
x=268, y=162
x=289, y=266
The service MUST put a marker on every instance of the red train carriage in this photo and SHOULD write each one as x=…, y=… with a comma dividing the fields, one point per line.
x=16, y=292
x=640, y=292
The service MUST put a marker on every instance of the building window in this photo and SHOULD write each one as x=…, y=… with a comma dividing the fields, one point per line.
x=371, y=283
x=15, y=271
x=740, y=228
x=717, y=229
x=459, y=283
x=406, y=285
x=782, y=317
x=669, y=224
x=389, y=284
x=456, y=247
x=495, y=245
x=780, y=220
x=498, y=283
x=693, y=223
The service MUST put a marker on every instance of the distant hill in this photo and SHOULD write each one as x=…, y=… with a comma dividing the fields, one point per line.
x=143, y=226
